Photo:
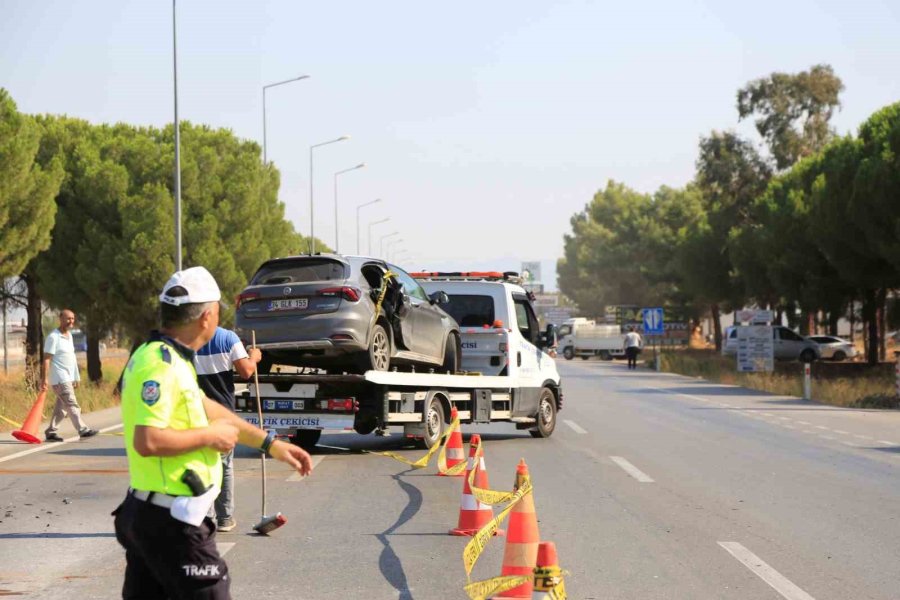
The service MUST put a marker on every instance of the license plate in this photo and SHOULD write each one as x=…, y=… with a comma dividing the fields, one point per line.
x=290, y=304
x=283, y=404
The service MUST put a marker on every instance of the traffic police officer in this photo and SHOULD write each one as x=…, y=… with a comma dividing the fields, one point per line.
x=173, y=438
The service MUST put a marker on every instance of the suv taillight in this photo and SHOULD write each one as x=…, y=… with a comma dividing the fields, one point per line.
x=348, y=293
x=245, y=297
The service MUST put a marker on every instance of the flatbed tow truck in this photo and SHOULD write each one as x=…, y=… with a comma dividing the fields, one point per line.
x=507, y=376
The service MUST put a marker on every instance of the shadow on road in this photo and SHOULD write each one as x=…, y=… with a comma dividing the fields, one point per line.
x=93, y=452
x=53, y=536
x=389, y=563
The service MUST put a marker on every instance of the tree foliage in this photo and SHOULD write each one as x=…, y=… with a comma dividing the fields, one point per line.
x=27, y=190
x=793, y=111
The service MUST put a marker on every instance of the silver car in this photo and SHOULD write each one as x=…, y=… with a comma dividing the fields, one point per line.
x=787, y=345
x=336, y=313
x=834, y=348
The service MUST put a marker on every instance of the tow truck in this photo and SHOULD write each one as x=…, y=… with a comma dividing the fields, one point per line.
x=506, y=375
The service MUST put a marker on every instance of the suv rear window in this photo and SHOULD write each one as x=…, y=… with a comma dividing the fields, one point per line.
x=300, y=271
x=470, y=310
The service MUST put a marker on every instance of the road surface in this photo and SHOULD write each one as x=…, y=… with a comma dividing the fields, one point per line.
x=653, y=486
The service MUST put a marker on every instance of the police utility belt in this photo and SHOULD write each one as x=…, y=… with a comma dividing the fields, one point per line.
x=187, y=509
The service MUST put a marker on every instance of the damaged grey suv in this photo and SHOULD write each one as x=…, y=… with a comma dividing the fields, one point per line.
x=345, y=314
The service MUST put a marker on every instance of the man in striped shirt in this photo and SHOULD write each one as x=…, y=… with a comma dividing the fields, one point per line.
x=215, y=363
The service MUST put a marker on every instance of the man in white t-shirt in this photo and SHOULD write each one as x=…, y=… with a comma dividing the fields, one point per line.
x=61, y=373
x=632, y=343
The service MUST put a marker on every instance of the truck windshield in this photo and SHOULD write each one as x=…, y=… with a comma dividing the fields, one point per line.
x=470, y=310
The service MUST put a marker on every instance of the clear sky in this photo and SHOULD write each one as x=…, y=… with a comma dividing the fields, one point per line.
x=485, y=125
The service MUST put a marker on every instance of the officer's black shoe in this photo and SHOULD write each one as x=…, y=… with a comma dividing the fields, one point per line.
x=52, y=437
x=86, y=433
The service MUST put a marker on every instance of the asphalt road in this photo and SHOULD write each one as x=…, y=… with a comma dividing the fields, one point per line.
x=653, y=486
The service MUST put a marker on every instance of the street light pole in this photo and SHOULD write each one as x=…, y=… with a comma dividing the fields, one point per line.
x=312, y=223
x=265, y=87
x=384, y=220
x=177, y=145
x=337, y=240
x=384, y=237
x=390, y=246
x=357, y=220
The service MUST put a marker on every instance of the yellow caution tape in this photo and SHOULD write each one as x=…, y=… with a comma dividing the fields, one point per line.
x=11, y=422
x=478, y=542
x=559, y=592
x=481, y=590
x=483, y=495
x=384, y=281
x=442, y=467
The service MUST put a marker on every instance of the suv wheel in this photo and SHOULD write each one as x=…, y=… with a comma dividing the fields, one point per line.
x=378, y=357
x=839, y=356
x=451, y=354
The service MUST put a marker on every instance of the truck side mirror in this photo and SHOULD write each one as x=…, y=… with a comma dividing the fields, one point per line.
x=439, y=297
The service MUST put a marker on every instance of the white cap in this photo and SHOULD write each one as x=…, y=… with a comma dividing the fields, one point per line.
x=200, y=286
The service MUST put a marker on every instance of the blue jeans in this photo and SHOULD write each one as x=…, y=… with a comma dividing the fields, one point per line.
x=225, y=501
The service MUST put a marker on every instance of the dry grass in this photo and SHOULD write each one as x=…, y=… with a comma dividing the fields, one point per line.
x=16, y=400
x=868, y=390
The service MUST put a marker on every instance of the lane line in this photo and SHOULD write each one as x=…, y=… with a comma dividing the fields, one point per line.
x=826, y=437
x=862, y=437
x=820, y=427
x=574, y=426
x=224, y=547
x=49, y=445
x=298, y=477
x=804, y=422
x=784, y=418
x=887, y=442
x=776, y=580
x=842, y=432
x=631, y=469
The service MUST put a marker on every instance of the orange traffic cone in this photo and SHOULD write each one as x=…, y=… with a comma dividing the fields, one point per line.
x=455, y=452
x=547, y=574
x=473, y=515
x=32, y=423
x=521, y=551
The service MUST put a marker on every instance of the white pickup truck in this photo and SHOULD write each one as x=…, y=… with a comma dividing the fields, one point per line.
x=584, y=338
x=506, y=375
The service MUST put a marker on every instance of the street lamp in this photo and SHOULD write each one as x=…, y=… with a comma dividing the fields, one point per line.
x=399, y=254
x=389, y=246
x=384, y=220
x=384, y=237
x=312, y=223
x=357, y=220
x=337, y=241
x=265, y=87
x=177, y=145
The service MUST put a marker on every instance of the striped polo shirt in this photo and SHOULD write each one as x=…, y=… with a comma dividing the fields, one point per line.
x=215, y=365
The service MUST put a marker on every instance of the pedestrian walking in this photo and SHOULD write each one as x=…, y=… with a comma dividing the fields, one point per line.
x=61, y=373
x=173, y=438
x=215, y=363
x=632, y=343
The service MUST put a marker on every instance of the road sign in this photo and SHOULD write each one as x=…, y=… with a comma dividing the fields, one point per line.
x=653, y=321
x=756, y=349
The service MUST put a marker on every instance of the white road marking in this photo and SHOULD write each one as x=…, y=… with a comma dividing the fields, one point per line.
x=779, y=582
x=767, y=414
x=804, y=422
x=887, y=442
x=631, y=469
x=820, y=427
x=49, y=445
x=298, y=477
x=862, y=437
x=842, y=432
x=851, y=444
x=826, y=437
x=224, y=547
x=784, y=418
x=724, y=405
x=574, y=426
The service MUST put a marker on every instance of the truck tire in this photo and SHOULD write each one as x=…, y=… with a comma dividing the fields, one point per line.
x=605, y=355
x=307, y=438
x=546, y=416
x=568, y=353
x=434, y=423
x=585, y=356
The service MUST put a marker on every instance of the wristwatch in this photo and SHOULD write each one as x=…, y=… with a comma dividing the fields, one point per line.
x=267, y=443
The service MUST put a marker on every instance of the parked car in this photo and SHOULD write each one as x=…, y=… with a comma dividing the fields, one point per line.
x=323, y=311
x=834, y=348
x=787, y=345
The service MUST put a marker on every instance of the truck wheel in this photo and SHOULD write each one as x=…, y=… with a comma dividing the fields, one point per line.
x=546, y=417
x=378, y=357
x=604, y=355
x=451, y=354
x=434, y=423
x=585, y=356
x=568, y=353
x=307, y=438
